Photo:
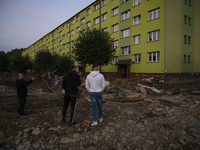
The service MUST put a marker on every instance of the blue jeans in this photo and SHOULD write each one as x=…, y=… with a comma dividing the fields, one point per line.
x=96, y=97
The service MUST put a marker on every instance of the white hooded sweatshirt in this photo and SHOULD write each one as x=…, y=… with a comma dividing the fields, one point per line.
x=95, y=82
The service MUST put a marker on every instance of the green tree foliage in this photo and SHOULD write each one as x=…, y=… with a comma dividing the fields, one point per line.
x=21, y=63
x=61, y=64
x=3, y=63
x=94, y=46
x=43, y=62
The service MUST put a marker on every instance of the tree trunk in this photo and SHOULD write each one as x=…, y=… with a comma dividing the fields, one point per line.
x=56, y=79
x=49, y=76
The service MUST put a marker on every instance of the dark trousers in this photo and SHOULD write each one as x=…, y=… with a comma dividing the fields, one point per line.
x=67, y=100
x=22, y=102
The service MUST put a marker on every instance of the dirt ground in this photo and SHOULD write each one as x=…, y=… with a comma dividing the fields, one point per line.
x=142, y=120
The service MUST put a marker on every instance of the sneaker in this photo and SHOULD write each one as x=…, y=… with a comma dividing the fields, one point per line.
x=94, y=123
x=22, y=116
x=73, y=123
x=101, y=119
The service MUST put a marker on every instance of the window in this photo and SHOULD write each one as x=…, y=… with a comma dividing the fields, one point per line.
x=188, y=58
x=115, y=60
x=78, y=29
x=83, y=21
x=68, y=34
x=125, y=33
x=185, y=19
x=73, y=21
x=96, y=7
x=116, y=44
x=64, y=45
x=88, y=11
x=104, y=2
x=136, y=2
x=61, y=51
x=190, y=3
x=137, y=39
x=68, y=54
x=185, y=39
x=154, y=14
x=137, y=20
x=57, y=39
x=125, y=50
x=63, y=27
x=72, y=43
x=97, y=20
x=58, y=48
x=115, y=28
x=125, y=15
x=64, y=36
x=105, y=30
x=60, y=33
x=185, y=59
x=51, y=42
x=189, y=20
x=115, y=11
x=137, y=58
x=60, y=42
x=72, y=32
x=104, y=16
x=77, y=18
x=154, y=36
x=73, y=54
x=189, y=40
x=123, y=1
x=68, y=24
x=154, y=57
x=68, y=44
x=88, y=24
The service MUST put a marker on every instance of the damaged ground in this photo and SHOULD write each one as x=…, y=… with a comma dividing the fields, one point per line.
x=143, y=119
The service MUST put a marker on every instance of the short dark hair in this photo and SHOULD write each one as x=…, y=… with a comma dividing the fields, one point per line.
x=95, y=65
x=72, y=67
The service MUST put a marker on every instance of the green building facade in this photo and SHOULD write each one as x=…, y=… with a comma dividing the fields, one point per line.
x=152, y=37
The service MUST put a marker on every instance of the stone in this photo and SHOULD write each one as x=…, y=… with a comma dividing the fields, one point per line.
x=20, y=147
x=53, y=129
x=76, y=135
x=87, y=121
x=182, y=141
x=143, y=90
x=36, y=131
x=66, y=140
x=26, y=135
x=36, y=145
x=131, y=122
x=124, y=139
x=169, y=101
x=27, y=129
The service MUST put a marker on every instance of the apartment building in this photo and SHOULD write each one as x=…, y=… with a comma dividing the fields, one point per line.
x=152, y=37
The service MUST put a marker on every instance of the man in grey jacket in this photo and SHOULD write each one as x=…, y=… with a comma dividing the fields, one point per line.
x=95, y=84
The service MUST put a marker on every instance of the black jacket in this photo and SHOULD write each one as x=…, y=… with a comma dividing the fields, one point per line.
x=70, y=82
x=21, y=87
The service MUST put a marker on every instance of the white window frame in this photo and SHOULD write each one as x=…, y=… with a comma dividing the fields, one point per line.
x=61, y=51
x=96, y=7
x=105, y=29
x=77, y=18
x=96, y=20
x=125, y=50
x=60, y=33
x=68, y=44
x=154, y=14
x=58, y=48
x=78, y=29
x=83, y=21
x=104, y=16
x=137, y=58
x=68, y=24
x=115, y=27
x=104, y=2
x=154, y=36
x=61, y=42
x=57, y=39
x=68, y=34
x=72, y=21
x=125, y=15
x=123, y=1
x=136, y=2
x=152, y=55
x=64, y=45
x=63, y=27
x=88, y=24
x=115, y=11
x=137, y=39
x=72, y=43
x=116, y=44
x=72, y=32
x=115, y=60
x=125, y=33
x=137, y=20
x=88, y=11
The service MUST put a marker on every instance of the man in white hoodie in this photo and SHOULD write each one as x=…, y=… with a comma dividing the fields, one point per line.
x=95, y=84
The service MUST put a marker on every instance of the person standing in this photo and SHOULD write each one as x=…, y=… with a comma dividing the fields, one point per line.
x=70, y=82
x=95, y=85
x=22, y=92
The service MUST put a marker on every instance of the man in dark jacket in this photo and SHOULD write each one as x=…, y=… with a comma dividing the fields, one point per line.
x=70, y=82
x=22, y=92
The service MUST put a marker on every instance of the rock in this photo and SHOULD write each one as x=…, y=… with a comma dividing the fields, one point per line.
x=27, y=129
x=65, y=140
x=131, y=122
x=36, y=131
x=26, y=135
x=20, y=147
x=36, y=145
x=124, y=139
x=87, y=121
x=169, y=101
x=182, y=141
x=143, y=90
x=76, y=135
x=53, y=129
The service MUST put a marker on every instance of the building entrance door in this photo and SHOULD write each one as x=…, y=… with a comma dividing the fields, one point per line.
x=124, y=71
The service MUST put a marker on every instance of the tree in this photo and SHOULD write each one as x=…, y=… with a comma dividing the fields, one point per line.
x=43, y=62
x=60, y=66
x=3, y=63
x=94, y=46
x=21, y=63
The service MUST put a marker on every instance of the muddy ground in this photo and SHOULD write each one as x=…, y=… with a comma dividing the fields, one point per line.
x=148, y=121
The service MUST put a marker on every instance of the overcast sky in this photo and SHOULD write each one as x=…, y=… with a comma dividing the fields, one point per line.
x=22, y=22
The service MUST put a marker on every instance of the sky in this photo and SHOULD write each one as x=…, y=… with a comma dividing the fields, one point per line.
x=22, y=22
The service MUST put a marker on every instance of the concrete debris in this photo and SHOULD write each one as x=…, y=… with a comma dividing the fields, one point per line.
x=152, y=88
